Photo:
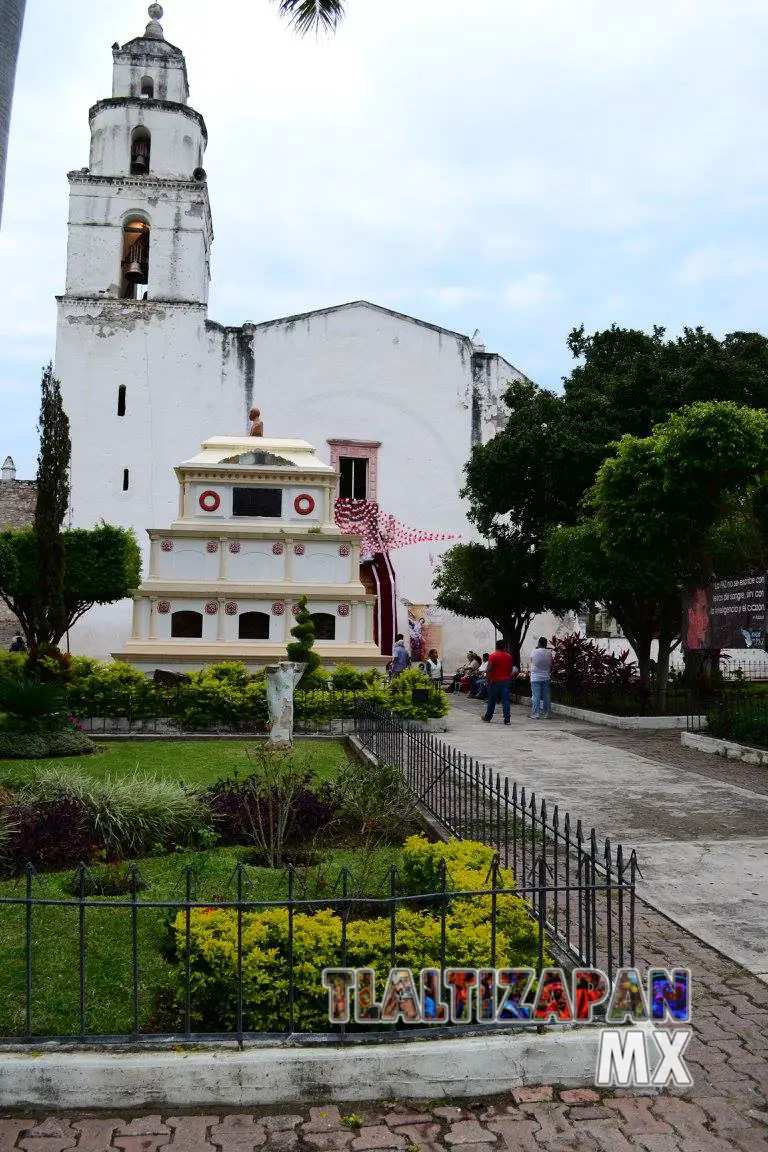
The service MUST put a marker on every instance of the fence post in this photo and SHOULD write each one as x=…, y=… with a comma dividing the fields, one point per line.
x=291, y=990
x=239, y=881
x=81, y=874
x=29, y=872
x=188, y=897
x=135, y=947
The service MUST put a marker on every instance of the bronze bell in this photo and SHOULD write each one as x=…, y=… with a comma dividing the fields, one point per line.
x=134, y=271
x=140, y=162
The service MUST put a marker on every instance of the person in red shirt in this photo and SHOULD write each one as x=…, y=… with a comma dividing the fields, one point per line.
x=498, y=676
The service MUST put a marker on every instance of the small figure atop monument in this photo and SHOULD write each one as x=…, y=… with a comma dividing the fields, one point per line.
x=257, y=424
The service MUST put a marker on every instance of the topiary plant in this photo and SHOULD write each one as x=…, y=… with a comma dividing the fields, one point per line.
x=301, y=650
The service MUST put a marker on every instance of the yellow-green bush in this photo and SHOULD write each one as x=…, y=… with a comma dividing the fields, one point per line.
x=317, y=944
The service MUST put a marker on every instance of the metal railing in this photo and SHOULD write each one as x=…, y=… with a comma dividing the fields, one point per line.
x=96, y=969
x=581, y=891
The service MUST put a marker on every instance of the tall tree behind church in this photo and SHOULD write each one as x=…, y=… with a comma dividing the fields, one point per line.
x=50, y=510
x=11, y=21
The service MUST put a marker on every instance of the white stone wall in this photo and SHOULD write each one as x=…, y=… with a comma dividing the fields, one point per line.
x=177, y=140
x=178, y=244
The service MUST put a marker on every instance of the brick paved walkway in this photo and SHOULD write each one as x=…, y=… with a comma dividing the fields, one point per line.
x=726, y=1110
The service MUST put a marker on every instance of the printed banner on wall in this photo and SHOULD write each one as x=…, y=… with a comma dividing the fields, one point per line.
x=726, y=614
x=425, y=628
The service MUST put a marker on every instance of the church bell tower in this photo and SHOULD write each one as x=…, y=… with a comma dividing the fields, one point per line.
x=140, y=221
x=145, y=376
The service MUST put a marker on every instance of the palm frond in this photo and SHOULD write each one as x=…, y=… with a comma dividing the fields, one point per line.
x=308, y=15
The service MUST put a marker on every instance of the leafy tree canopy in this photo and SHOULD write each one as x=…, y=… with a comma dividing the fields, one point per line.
x=101, y=565
x=667, y=511
x=535, y=472
x=498, y=582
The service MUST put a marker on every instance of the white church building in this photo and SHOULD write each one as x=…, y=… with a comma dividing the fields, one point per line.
x=392, y=402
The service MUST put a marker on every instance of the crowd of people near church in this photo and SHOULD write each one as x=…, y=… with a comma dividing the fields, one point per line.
x=490, y=677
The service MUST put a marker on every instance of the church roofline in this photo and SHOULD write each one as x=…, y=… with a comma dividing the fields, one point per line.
x=377, y=308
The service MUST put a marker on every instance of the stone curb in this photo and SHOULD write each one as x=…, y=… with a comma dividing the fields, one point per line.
x=725, y=748
x=474, y=1067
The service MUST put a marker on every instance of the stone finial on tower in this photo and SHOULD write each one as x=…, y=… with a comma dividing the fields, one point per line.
x=154, y=30
x=9, y=469
x=477, y=341
x=257, y=424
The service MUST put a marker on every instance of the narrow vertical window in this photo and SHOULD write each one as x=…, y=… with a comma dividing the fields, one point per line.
x=121, y=400
x=125, y=479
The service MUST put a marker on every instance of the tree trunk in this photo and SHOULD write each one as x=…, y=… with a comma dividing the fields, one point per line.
x=665, y=644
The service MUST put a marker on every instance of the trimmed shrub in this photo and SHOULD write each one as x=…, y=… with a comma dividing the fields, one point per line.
x=50, y=833
x=399, y=696
x=44, y=745
x=107, y=880
x=317, y=944
x=12, y=665
x=233, y=803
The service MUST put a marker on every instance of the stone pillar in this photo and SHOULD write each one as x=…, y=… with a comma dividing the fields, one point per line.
x=152, y=617
x=221, y=619
x=288, y=561
x=223, y=554
x=153, y=558
x=135, y=619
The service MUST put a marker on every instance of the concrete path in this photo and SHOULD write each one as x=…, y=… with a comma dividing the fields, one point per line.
x=701, y=837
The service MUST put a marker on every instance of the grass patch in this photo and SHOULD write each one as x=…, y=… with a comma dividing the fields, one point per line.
x=200, y=762
x=109, y=977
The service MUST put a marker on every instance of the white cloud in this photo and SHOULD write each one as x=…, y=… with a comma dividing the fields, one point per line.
x=463, y=162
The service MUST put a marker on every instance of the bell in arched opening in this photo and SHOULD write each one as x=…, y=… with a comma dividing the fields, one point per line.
x=141, y=145
x=135, y=262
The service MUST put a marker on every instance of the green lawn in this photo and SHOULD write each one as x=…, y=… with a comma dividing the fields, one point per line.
x=194, y=761
x=108, y=948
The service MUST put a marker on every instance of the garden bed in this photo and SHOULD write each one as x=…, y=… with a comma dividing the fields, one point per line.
x=174, y=907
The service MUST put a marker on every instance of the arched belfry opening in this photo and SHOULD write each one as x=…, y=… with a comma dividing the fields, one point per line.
x=147, y=88
x=141, y=146
x=134, y=267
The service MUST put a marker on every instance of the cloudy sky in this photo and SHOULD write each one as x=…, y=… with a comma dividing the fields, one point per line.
x=517, y=166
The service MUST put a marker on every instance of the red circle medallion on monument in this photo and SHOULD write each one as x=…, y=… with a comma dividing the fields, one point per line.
x=209, y=500
x=304, y=504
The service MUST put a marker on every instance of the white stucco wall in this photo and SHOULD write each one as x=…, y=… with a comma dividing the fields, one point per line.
x=352, y=372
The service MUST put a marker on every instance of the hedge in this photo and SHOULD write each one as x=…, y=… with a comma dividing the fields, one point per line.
x=317, y=943
x=229, y=695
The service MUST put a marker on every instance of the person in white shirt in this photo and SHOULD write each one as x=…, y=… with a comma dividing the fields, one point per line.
x=541, y=680
x=434, y=668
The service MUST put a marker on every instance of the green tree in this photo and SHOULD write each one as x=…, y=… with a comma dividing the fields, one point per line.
x=498, y=582
x=46, y=621
x=101, y=565
x=533, y=476
x=312, y=15
x=665, y=512
x=301, y=650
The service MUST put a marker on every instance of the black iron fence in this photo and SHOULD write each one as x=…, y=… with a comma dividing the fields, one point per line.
x=741, y=717
x=580, y=890
x=101, y=982
x=80, y=966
